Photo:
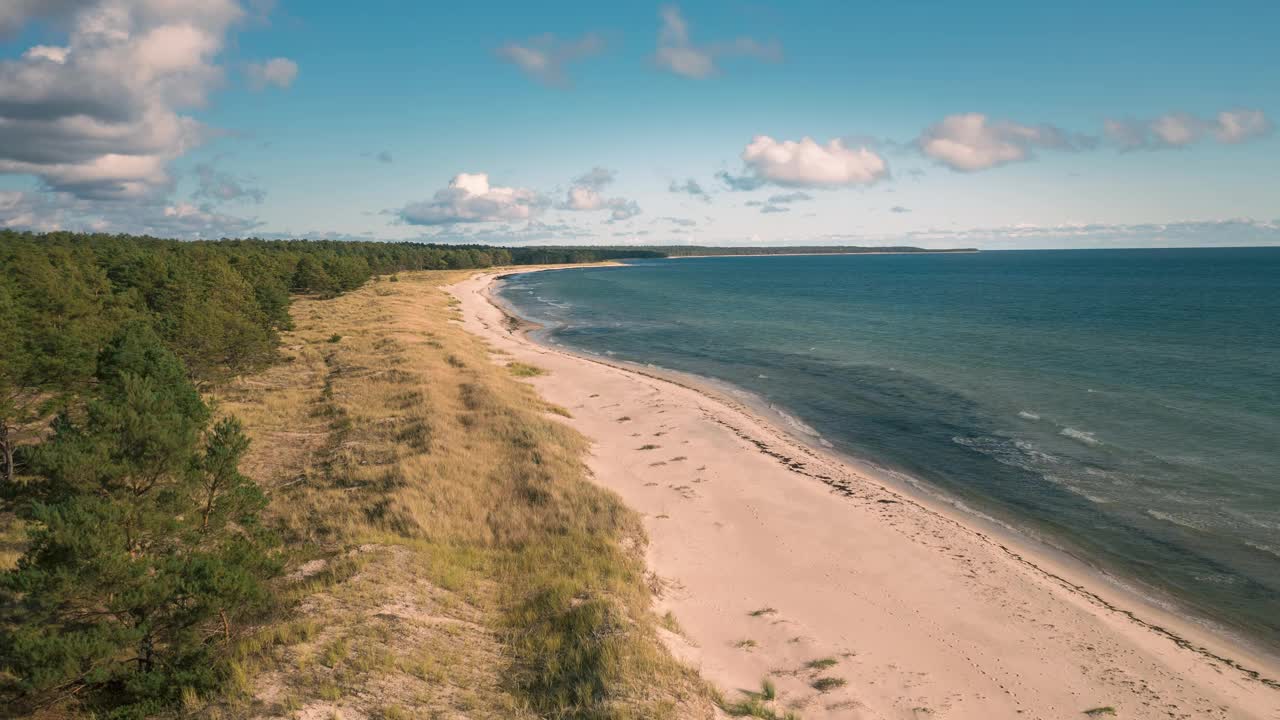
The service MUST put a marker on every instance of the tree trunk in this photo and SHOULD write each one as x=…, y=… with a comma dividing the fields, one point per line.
x=6, y=455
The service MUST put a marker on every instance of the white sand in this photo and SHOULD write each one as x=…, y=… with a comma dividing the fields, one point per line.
x=929, y=613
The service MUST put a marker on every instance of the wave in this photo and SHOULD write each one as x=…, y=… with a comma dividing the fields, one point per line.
x=1083, y=436
x=1016, y=453
x=795, y=423
x=1028, y=415
x=1177, y=520
x=1072, y=487
x=1264, y=548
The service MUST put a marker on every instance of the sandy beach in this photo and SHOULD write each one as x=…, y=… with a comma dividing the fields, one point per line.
x=777, y=560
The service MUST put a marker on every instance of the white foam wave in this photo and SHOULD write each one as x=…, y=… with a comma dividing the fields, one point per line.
x=1017, y=453
x=1028, y=415
x=1176, y=519
x=795, y=423
x=1083, y=436
x=1072, y=487
x=1264, y=548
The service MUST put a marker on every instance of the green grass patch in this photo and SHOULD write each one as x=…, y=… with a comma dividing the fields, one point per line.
x=520, y=369
x=827, y=684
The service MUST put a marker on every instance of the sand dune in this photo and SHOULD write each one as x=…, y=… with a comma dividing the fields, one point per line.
x=857, y=598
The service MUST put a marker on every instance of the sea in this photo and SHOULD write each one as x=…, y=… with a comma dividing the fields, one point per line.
x=1120, y=405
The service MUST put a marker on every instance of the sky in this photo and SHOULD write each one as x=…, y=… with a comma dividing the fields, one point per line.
x=998, y=124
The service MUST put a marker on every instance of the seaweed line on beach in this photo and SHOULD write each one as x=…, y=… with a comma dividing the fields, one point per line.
x=844, y=487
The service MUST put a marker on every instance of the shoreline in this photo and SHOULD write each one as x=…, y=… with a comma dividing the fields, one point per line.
x=1088, y=601
x=958, y=251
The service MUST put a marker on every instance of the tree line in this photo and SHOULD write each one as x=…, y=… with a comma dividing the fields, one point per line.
x=144, y=555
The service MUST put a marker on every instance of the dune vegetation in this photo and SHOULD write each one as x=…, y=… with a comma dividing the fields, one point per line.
x=451, y=556
x=254, y=479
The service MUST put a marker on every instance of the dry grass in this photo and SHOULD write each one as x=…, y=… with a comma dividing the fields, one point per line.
x=450, y=556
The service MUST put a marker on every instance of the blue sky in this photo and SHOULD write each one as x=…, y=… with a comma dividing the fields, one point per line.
x=996, y=124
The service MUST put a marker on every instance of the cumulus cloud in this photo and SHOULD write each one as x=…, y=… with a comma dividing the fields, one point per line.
x=898, y=209
x=544, y=58
x=587, y=194
x=50, y=211
x=14, y=14
x=471, y=199
x=678, y=54
x=216, y=186
x=805, y=163
x=1237, y=126
x=99, y=117
x=1180, y=129
x=972, y=141
x=277, y=72
x=770, y=208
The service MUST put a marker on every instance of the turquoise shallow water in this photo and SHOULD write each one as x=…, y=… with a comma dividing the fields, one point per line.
x=1124, y=404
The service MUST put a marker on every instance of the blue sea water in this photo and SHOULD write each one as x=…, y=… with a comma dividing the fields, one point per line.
x=1122, y=404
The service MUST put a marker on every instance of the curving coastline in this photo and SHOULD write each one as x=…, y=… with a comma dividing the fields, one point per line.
x=921, y=606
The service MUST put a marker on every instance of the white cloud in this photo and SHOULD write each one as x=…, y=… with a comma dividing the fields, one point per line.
x=471, y=199
x=278, y=72
x=50, y=211
x=14, y=14
x=544, y=57
x=678, y=54
x=52, y=53
x=1179, y=130
x=806, y=163
x=1237, y=126
x=587, y=194
x=971, y=141
x=100, y=116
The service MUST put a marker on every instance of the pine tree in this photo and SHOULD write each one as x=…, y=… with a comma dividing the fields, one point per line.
x=146, y=554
